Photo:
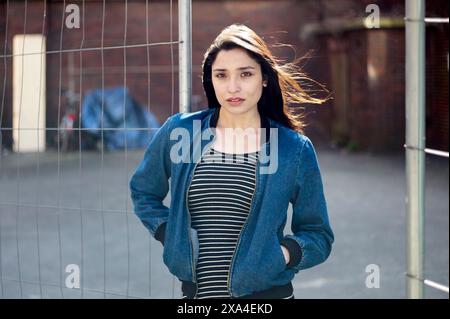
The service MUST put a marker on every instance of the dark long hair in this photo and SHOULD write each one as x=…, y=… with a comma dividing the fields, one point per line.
x=283, y=89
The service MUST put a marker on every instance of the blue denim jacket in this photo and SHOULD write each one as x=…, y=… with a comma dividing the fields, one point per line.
x=289, y=173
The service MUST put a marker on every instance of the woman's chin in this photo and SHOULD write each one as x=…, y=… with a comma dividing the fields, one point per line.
x=240, y=109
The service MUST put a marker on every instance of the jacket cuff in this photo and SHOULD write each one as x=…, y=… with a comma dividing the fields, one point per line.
x=295, y=251
x=160, y=233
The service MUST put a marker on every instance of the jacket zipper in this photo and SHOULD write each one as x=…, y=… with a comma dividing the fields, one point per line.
x=189, y=230
x=190, y=217
x=242, y=229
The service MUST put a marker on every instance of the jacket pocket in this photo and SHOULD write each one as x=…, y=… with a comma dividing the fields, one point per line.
x=281, y=260
x=274, y=263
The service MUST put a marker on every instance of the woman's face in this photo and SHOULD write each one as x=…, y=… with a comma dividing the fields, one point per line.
x=235, y=75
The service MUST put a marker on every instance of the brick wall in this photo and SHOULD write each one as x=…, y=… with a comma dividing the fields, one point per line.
x=437, y=87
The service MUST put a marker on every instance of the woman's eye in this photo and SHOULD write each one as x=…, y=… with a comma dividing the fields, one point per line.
x=221, y=75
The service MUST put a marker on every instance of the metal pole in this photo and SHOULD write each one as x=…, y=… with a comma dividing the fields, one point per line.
x=185, y=54
x=415, y=137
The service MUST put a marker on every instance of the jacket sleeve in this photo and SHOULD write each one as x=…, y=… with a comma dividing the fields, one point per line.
x=312, y=234
x=149, y=184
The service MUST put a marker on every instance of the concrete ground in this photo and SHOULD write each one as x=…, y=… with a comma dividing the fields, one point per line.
x=60, y=210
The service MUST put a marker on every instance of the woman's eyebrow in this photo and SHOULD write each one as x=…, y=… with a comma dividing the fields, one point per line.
x=241, y=68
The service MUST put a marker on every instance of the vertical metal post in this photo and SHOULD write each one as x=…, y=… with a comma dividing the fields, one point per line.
x=415, y=141
x=185, y=54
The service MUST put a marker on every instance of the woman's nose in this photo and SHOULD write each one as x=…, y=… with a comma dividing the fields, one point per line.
x=233, y=85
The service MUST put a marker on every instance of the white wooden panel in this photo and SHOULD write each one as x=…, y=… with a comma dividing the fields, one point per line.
x=29, y=93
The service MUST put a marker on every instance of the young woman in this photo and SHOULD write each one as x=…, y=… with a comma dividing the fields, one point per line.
x=234, y=169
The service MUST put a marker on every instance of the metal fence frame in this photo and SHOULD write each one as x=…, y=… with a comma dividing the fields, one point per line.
x=185, y=73
x=415, y=146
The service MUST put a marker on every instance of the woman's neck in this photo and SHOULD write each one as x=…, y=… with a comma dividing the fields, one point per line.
x=250, y=119
x=238, y=133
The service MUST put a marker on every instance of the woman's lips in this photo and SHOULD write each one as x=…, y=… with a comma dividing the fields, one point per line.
x=235, y=102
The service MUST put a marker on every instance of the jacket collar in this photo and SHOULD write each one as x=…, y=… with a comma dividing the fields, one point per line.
x=265, y=123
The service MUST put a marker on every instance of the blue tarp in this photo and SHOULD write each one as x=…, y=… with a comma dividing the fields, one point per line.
x=120, y=111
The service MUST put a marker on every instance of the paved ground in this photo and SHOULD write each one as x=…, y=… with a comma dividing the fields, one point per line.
x=365, y=195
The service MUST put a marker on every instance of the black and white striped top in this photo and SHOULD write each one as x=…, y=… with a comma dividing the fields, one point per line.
x=219, y=199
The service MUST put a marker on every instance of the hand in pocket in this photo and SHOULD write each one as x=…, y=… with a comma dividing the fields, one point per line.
x=285, y=254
